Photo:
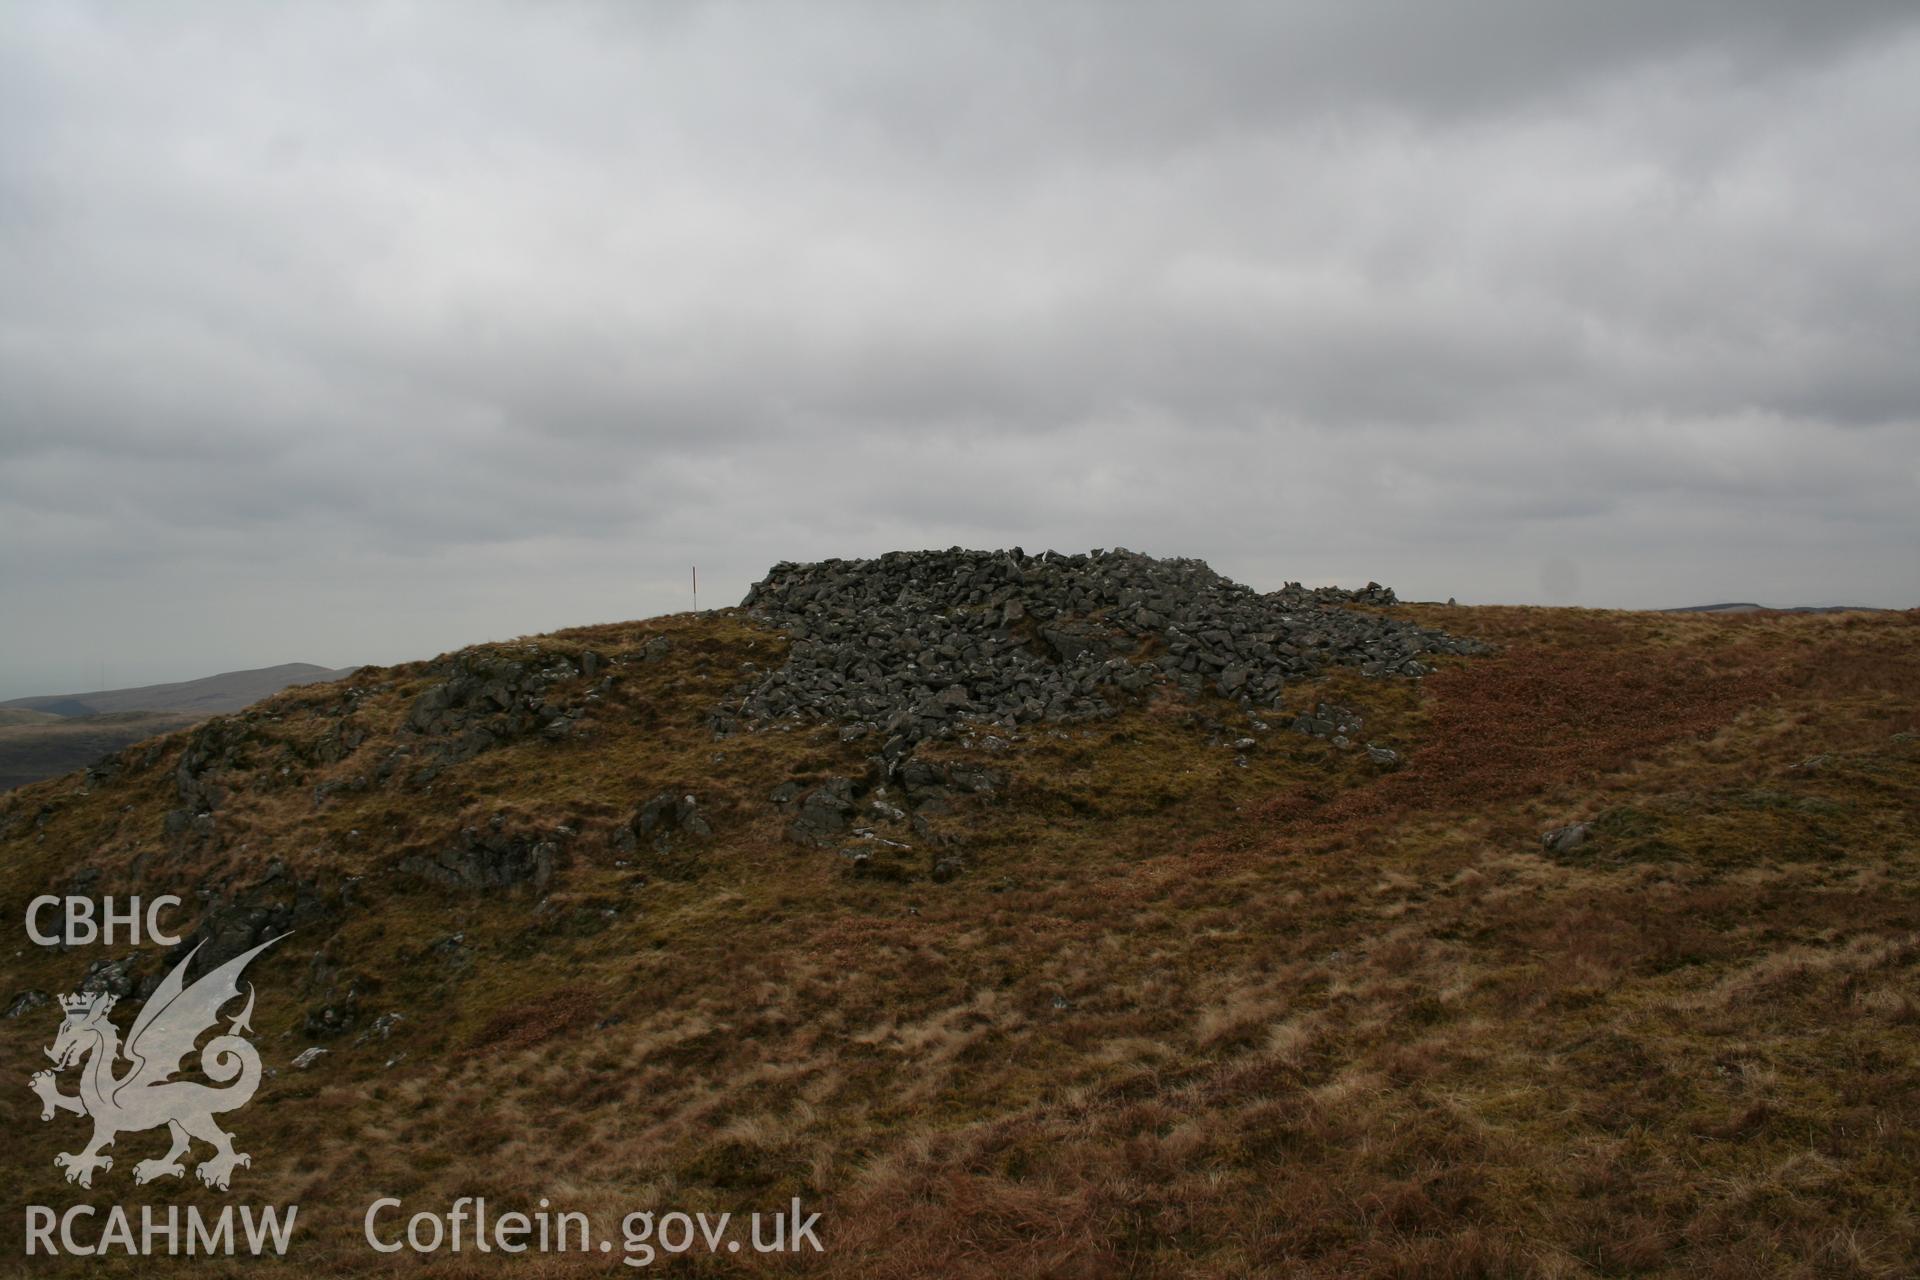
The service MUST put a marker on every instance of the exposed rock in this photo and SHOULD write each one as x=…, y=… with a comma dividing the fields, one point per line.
x=667, y=815
x=824, y=813
x=27, y=1002
x=671, y=825
x=113, y=977
x=492, y=858
x=308, y=1057
x=925, y=782
x=452, y=952
x=489, y=697
x=382, y=1027
x=329, y=1021
x=1331, y=721
x=1566, y=839
x=236, y=921
x=218, y=746
x=1294, y=595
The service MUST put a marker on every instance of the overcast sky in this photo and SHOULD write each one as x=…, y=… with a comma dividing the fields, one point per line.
x=357, y=333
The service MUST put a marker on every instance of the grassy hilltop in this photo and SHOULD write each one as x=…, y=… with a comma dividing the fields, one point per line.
x=1173, y=1006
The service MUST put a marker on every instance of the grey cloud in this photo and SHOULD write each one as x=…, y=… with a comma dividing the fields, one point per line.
x=384, y=329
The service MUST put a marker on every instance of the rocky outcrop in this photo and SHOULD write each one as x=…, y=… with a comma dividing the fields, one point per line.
x=219, y=746
x=930, y=787
x=26, y=1002
x=119, y=978
x=490, y=857
x=672, y=828
x=277, y=902
x=820, y=814
x=490, y=697
x=247, y=750
x=881, y=828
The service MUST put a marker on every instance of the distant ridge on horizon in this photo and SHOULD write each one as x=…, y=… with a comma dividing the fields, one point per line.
x=209, y=695
x=1750, y=607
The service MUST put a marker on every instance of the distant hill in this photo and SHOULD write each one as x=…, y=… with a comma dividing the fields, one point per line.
x=48, y=735
x=209, y=695
x=11, y=716
x=1746, y=607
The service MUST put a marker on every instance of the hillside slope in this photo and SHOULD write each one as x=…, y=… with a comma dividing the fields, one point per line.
x=1147, y=992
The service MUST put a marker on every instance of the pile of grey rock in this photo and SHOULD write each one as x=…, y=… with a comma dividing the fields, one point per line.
x=920, y=645
x=1298, y=596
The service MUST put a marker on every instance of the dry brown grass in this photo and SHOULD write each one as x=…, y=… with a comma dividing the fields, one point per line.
x=1179, y=1017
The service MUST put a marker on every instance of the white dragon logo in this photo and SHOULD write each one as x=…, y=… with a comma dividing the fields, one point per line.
x=146, y=1097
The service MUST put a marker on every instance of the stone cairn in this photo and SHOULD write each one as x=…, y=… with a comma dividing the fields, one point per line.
x=916, y=645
